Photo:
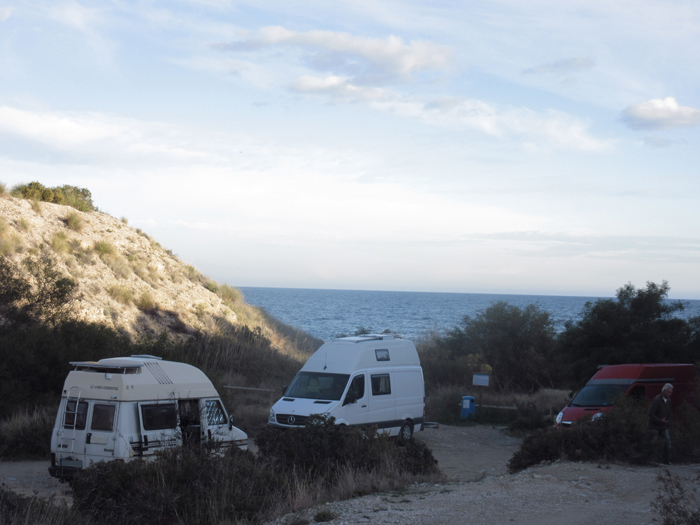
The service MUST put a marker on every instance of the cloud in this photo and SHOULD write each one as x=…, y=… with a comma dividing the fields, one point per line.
x=5, y=13
x=74, y=15
x=660, y=114
x=95, y=135
x=366, y=60
x=549, y=128
x=561, y=67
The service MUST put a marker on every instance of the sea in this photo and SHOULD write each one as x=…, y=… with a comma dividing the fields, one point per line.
x=326, y=314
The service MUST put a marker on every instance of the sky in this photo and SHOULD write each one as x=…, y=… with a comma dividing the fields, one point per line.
x=539, y=147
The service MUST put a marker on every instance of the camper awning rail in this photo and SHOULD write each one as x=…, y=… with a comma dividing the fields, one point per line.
x=113, y=365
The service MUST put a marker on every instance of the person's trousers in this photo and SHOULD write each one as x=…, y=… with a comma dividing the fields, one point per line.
x=666, y=437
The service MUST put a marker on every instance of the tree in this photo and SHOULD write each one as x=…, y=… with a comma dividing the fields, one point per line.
x=50, y=298
x=638, y=326
x=517, y=343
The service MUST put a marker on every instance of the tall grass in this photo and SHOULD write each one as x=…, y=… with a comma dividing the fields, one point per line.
x=24, y=434
x=121, y=293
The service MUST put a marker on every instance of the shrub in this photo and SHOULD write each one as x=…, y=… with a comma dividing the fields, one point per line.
x=211, y=286
x=36, y=206
x=75, y=221
x=104, y=248
x=124, y=220
x=121, y=294
x=620, y=435
x=24, y=224
x=118, y=265
x=59, y=242
x=3, y=189
x=324, y=515
x=230, y=295
x=146, y=303
x=19, y=510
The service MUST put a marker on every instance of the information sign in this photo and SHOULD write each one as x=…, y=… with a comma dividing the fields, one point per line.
x=480, y=380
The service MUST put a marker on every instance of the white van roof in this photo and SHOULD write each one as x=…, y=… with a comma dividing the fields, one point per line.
x=344, y=355
x=137, y=378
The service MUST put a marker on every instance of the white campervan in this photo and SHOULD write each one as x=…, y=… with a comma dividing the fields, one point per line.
x=367, y=380
x=130, y=407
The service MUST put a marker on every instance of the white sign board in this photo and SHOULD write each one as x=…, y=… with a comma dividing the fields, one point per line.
x=480, y=380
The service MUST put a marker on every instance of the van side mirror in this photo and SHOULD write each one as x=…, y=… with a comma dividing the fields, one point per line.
x=351, y=397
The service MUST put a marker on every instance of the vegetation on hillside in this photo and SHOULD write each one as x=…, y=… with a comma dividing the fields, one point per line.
x=78, y=198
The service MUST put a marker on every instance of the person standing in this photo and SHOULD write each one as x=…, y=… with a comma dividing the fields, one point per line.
x=659, y=417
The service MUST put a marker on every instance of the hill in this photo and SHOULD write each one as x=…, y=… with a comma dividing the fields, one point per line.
x=126, y=279
x=130, y=295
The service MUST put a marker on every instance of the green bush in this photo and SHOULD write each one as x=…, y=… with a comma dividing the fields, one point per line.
x=619, y=435
x=78, y=198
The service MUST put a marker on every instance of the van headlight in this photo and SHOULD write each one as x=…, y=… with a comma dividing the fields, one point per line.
x=272, y=416
x=560, y=415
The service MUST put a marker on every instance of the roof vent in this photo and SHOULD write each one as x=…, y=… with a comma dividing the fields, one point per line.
x=158, y=373
x=146, y=356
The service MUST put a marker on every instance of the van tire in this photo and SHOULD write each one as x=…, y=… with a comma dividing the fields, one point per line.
x=405, y=432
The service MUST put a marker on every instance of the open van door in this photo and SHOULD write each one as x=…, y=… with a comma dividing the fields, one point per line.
x=159, y=426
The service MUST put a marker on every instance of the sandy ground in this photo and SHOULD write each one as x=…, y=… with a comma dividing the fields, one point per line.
x=477, y=489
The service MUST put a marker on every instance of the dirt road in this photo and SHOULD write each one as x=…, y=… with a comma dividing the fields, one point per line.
x=478, y=488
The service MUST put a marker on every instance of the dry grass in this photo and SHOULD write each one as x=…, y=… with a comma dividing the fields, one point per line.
x=37, y=207
x=3, y=190
x=75, y=221
x=118, y=265
x=60, y=243
x=146, y=303
x=121, y=294
x=27, y=433
x=104, y=248
x=124, y=220
x=24, y=224
x=10, y=242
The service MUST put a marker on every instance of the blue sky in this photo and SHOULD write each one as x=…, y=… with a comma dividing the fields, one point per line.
x=537, y=147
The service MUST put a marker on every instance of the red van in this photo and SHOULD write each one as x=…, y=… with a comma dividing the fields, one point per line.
x=639, y=380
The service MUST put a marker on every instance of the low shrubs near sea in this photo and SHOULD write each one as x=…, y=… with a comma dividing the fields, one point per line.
x=293, y=469
x=619, y=435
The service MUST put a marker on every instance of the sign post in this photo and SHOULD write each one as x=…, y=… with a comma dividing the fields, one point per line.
x=481, y=380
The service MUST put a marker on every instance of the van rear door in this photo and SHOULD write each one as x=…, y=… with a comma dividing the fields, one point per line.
x=99, y=438
x=158, y=422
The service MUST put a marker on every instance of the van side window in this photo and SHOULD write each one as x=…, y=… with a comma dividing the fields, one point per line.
x=215, y=413
x=159, y=417
x=69, y=420
x=381, y=385
x=358, y=386
x=382, y=354
x=103, y=417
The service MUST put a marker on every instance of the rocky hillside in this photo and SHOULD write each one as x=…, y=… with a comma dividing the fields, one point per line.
x=126, y=279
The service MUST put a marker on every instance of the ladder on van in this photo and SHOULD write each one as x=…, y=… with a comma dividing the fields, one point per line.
x=71, y=397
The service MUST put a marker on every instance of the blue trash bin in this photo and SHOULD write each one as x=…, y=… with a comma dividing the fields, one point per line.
x=468, y=407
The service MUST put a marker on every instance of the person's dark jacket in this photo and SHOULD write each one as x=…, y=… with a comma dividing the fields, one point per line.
x=658, y=411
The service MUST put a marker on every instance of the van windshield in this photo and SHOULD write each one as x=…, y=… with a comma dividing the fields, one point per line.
x=317, y=385
x=598, y=395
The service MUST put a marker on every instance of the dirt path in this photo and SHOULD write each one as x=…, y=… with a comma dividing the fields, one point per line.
x=478, y=488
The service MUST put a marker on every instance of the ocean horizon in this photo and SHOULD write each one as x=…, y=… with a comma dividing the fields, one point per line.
x=326, y=313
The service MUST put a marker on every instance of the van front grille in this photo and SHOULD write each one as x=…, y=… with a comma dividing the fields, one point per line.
x=295, y=420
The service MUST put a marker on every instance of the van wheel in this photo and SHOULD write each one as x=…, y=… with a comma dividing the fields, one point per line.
x=405, y=432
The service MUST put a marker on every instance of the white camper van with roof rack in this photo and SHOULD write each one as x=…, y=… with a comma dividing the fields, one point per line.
x=366, y=380
x=133, y=407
